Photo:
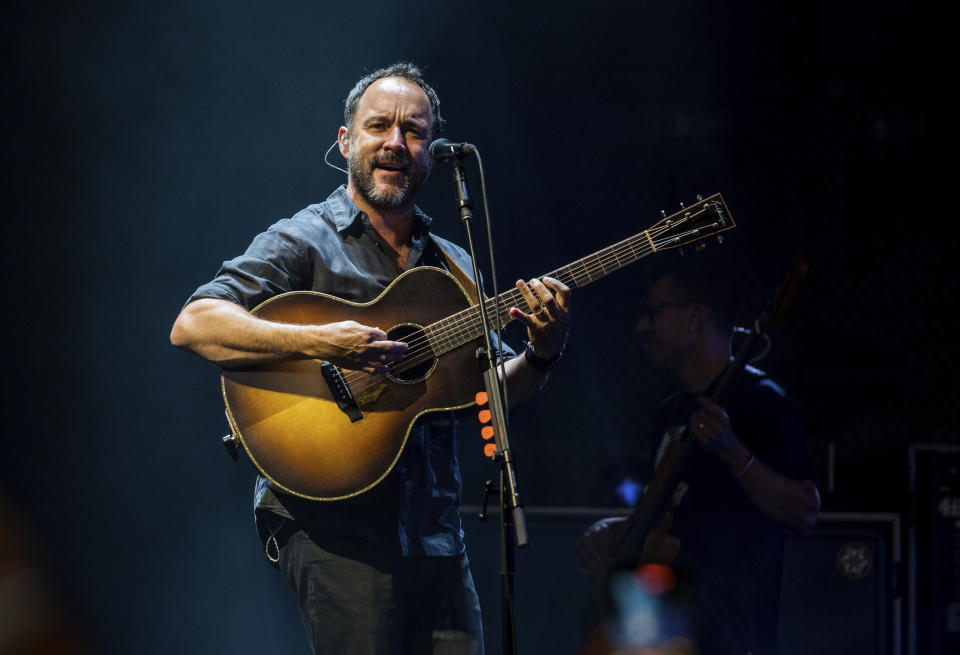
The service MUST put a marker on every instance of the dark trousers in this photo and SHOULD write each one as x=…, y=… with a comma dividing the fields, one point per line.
x=359, y=598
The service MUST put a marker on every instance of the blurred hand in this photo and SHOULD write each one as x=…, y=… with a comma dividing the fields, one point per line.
x=350, y=345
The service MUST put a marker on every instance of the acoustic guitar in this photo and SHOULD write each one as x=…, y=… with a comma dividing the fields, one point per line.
x=323, y=432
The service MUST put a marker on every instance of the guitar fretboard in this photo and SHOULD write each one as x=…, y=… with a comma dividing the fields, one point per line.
x=684, y=227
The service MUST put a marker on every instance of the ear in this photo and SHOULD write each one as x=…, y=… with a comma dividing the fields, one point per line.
x=343, y=141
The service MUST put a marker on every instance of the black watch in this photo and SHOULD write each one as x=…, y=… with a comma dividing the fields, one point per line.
x=539, y=364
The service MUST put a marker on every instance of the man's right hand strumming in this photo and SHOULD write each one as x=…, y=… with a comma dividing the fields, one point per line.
x=349, y=344
x=227, y=334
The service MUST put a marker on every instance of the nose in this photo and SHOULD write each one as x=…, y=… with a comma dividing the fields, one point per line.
x=394, y=139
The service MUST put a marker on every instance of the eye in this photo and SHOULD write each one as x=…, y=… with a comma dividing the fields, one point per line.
x=416, y=131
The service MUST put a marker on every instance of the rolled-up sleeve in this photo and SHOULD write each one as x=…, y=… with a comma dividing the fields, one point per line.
x=273, y=264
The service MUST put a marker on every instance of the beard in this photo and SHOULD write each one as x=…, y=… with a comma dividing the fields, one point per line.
x=388, y=195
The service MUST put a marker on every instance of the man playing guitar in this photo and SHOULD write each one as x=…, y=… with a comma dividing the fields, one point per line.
x=385, y=570
x=747, y=477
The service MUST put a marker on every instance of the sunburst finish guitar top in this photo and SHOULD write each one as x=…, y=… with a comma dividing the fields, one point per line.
x=325, y=433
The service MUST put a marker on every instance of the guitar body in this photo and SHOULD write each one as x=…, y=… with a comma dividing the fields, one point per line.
x=288, y=420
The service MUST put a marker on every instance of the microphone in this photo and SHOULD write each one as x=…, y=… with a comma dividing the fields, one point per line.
x=442, y=150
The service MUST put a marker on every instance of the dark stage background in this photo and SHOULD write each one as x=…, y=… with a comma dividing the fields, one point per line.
x=145, y=142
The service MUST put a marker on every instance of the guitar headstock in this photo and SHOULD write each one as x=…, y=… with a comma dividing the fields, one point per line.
x=702, y=219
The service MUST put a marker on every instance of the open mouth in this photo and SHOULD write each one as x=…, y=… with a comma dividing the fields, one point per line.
x=390, y=166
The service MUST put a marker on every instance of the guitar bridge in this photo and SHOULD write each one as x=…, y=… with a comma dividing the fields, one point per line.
x=341, y=391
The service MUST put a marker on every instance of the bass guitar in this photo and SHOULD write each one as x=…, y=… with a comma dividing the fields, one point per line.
x=323, y=432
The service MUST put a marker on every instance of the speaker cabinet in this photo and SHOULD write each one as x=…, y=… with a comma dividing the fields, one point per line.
x=839, y=587
x=933, y=623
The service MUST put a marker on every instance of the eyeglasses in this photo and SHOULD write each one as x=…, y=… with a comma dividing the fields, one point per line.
x=647, y=310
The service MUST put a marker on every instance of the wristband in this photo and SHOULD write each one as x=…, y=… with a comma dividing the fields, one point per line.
x=539, y=364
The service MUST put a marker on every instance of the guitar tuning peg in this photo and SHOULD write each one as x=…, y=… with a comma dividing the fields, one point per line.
x=699, y=197
x=700, y=246
x=681, y=205
x=663, y=213
x=682, y=254
x=719, y=238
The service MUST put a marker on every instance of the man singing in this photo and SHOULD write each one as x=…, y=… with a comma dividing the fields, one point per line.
x=385, y=571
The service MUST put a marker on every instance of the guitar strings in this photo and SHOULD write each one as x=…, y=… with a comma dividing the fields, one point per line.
x=468, y=318
x=467, y=322
x=567, y=274
x=421, y=351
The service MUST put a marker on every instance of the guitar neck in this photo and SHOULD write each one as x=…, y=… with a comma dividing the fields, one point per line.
x=463, y=327
x=681, y=228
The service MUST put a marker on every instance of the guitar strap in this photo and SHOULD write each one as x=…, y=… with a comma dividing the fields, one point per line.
x=461, y=276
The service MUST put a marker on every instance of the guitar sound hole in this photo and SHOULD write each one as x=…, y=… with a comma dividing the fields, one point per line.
x=419, y=360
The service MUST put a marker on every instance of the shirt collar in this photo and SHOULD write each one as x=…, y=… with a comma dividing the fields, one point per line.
x=345, y=212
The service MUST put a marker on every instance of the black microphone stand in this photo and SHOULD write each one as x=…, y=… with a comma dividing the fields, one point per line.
x=512, y=517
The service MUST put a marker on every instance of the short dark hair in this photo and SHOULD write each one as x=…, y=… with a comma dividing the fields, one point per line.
x=401, y=69
x=710, y=280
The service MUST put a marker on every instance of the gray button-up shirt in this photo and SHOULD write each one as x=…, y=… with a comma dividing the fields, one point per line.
x=330, y=247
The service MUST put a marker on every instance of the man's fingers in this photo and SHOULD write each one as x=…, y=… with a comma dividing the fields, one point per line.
x=560, y=290
x=389, y=346
x=539, y=298
x=547, y=301
x=710, y=407
x=375, y=334
x=532, y=301
x=553, y=296
x=526, y=319
x=704, y=422
x=380, y=353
